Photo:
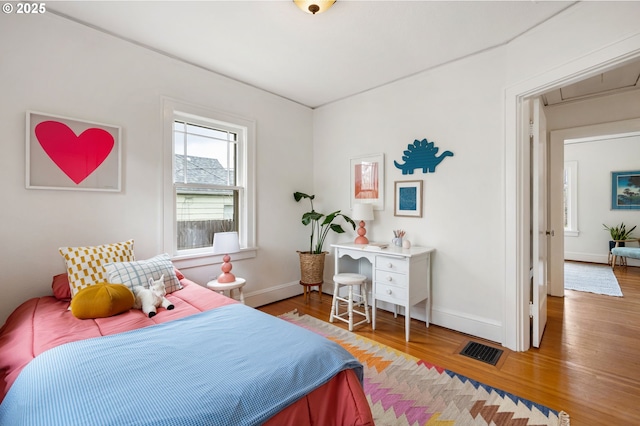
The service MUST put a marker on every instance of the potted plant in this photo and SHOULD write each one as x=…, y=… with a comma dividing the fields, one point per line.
x=618, y=233
x=312, y=261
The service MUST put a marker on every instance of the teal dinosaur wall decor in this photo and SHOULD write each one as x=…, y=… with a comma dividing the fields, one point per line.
x=421, y=155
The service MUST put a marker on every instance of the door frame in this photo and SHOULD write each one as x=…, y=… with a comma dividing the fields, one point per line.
x=516, y=323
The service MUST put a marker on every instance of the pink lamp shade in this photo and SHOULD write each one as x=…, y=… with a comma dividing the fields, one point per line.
x=362, y=212
x=226, y=243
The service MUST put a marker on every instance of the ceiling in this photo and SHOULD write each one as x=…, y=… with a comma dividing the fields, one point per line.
x=626, y=77
x=314, y=59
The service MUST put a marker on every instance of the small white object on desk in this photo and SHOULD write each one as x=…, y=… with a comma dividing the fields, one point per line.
x=234, y=285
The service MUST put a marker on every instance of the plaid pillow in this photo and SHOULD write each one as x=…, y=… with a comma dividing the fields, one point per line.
x=132, y=274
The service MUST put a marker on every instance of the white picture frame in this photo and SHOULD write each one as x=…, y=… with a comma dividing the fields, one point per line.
x=408, y=198
x=367, y=180
x=71, y=154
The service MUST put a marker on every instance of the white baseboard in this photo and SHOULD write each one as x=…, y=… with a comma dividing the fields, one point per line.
x=595, y=258
x=475, y=326
x=484, y=328
x=272, y=294
x=586, y=257
x=457, y=321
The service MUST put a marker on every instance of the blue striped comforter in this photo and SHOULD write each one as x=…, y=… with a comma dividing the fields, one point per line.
x=230, y=366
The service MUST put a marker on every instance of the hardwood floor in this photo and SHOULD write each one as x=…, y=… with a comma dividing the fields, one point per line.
x=588, y=364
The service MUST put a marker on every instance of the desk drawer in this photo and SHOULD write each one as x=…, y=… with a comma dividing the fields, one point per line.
x=391, y=278
x=391, y=294
x=389, y=263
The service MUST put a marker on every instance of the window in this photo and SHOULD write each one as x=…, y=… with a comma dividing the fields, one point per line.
x=571, y=199
x=204, y=178
x=210, y=185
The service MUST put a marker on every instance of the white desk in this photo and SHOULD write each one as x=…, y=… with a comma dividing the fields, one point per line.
x=398, y=276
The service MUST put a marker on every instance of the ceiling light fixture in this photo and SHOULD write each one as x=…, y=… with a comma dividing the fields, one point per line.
x=313, y=7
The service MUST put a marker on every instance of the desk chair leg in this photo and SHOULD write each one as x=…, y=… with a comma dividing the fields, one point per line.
x=350, y=308
x=363, y=292
x=334, y=303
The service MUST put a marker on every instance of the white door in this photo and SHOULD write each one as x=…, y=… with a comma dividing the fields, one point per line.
x=555, y=255
x=538, y=222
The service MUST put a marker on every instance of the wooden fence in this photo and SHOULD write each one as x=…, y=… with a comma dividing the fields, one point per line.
x=199, y=233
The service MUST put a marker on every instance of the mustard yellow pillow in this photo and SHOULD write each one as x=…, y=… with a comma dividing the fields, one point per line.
x=85, y=264
x=102, y=300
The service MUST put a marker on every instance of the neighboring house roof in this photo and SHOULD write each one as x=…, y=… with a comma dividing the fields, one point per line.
x=202, y=170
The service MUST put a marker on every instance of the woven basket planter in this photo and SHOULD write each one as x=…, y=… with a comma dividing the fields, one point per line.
x=311, y=267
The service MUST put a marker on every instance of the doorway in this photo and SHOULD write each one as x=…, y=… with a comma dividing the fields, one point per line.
x=587, y=241
x=517, y=219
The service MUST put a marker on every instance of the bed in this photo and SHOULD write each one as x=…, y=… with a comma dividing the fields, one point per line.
x=211, y=360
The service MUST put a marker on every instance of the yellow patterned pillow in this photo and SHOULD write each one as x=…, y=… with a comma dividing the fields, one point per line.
x=102, y=300
x=85, y=264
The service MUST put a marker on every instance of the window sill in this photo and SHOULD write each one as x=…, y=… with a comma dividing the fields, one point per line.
x=568, y=233
x=205, y=259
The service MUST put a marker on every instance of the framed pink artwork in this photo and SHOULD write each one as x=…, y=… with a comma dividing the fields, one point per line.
x=71, y=154
x=367, y=181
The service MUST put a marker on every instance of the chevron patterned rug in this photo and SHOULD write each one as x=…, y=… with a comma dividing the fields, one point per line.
x=404, y=390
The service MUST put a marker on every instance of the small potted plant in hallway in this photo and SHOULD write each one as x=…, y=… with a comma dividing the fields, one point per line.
x=312, y=261
x=618, y=233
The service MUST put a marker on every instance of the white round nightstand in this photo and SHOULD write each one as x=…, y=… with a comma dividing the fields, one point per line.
x=222, y=287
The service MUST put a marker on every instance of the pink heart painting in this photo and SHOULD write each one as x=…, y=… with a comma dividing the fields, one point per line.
x=76, y=156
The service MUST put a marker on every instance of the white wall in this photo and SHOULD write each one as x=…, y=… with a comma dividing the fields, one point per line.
x=596, y=160
x=460, y=111
x=52, y=65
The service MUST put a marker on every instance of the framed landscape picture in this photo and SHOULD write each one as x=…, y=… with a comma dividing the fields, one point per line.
x=367, y=181
x=625, y=190
x=408, y=198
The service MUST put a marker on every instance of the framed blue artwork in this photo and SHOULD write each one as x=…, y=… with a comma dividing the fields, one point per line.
x=408, y=198
x=625, y=190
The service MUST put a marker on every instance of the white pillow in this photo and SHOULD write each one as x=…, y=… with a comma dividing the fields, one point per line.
x=132, y=274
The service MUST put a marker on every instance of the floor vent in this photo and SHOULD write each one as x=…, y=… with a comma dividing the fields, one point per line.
x=482, y=352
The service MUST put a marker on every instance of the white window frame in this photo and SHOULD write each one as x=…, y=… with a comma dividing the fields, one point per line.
x=571, y=169
x=245, y=174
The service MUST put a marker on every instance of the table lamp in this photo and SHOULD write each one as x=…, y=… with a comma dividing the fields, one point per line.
x=226, y=243
x=362, y=212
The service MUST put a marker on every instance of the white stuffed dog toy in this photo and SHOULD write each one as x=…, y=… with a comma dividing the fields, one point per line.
x=148, y=299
